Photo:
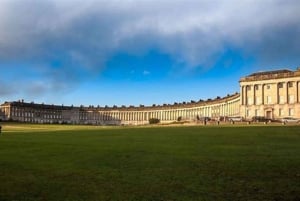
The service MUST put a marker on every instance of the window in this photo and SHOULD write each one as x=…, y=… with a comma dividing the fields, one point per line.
x=248, y=113
x=281, y=99
x=256, y=87
x=291, y=98
x=281, y=113
x=248, y=88
x=269, y=99
x=291, y=111
x=290, y=84
x=268, y=86
x=257, y=101
x=257, y=113
x=280, y=85
x=249, y=101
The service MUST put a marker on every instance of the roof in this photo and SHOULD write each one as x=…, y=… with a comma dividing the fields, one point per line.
x=268, y=75
x=270, y=72
x=131, y=108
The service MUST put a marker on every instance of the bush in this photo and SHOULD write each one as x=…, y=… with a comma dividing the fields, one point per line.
x=154, y=121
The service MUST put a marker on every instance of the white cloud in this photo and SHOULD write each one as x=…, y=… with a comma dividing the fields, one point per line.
x=145, y=72
x=191, y=31
x=86, y=34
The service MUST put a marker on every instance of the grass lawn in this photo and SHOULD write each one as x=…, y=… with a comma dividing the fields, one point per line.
x=40, y=162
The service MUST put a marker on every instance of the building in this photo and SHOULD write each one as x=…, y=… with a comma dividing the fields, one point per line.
x=41, y=113
x=272, y=94
x=2, y=115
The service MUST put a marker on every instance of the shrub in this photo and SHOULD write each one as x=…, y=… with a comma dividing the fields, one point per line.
x=154, y=121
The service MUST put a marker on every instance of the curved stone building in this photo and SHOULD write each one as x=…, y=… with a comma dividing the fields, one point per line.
x=272, y=94
x=41, y=113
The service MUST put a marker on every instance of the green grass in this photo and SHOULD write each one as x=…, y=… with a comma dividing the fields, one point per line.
x=157, y=163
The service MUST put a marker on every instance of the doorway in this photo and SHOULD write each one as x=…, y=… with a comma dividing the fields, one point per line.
x=269, y=114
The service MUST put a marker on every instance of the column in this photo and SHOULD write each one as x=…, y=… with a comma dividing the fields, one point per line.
x=297, y=87
x=242, y=95
x=296, y=92
x=262, y=94
x=287, y=92
x=246, y=96
x=175, y=114
x=254, y=95
x=277, y=93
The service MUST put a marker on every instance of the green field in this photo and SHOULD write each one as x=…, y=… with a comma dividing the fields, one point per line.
x=43, y=162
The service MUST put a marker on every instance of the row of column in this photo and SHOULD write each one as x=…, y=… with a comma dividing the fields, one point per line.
x=223, y=109
x=245, y=96
x=229, y=108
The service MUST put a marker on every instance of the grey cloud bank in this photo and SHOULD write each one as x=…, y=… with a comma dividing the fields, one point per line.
x=86, y=34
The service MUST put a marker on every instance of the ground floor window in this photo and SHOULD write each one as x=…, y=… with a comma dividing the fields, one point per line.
x=291, y=111
x=248, y=113
x=257, y=113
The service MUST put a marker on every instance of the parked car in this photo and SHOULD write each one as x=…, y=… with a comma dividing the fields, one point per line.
x=261, y=119
x=237, y=118
x=290, y=120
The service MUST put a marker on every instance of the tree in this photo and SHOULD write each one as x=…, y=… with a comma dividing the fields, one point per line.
x=179, y=118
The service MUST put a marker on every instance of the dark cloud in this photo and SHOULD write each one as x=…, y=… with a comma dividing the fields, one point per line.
x=90, y=32
x=81, y=36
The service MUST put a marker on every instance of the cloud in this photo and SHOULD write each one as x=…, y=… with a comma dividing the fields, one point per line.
x=6, y=89
x=84, y=35
x=145, y=72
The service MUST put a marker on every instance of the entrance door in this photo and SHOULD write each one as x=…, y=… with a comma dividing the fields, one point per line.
x=269, y=114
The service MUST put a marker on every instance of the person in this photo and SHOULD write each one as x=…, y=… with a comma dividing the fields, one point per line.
x=0, y=129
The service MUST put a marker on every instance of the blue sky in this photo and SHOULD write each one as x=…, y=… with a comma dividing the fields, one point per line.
x=130, y=52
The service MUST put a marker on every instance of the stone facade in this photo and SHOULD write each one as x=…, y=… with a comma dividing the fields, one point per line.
x=40, y=113
x=273, y=94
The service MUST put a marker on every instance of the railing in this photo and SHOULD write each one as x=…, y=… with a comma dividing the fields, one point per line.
x=270, y=76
